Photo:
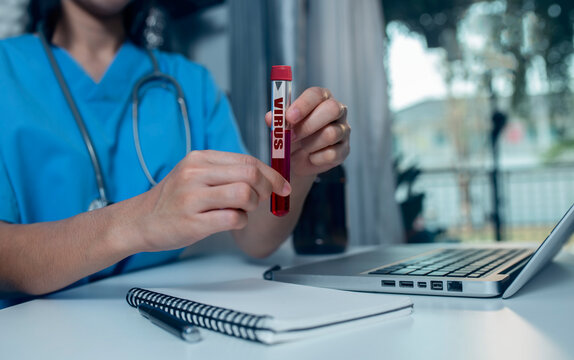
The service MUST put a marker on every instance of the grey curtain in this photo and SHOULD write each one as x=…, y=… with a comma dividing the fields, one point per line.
x=338, y=44
x=249, y=72
x=263, y=33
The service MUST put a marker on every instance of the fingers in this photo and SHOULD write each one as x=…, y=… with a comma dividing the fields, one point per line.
x=223, y=219
x=268, y=118
x=243, y=168
x=319, y=109
x=320, y=132
x=331, y=155
x=325, y=113
x=207, y=192
x=331, y=134
x=306, y=103
x=234, y=196
x=222, y=175
x=321, y=160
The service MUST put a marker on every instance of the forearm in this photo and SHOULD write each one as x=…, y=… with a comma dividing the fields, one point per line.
x=265, y=232
x=44, y=257
x=207, y=192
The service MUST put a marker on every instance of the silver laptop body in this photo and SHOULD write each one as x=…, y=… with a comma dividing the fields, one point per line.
x=455, y=270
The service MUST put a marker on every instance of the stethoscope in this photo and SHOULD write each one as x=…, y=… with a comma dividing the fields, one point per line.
x=155, y=75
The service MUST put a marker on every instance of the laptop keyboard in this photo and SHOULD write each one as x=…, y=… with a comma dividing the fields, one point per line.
x=470, y=263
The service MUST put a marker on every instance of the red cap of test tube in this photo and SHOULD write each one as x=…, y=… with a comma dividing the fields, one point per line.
x=281, y=72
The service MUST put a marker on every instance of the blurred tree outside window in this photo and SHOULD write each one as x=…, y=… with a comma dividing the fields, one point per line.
x=469, y=78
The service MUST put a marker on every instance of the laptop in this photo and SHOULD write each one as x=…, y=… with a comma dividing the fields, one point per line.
x=451, y=270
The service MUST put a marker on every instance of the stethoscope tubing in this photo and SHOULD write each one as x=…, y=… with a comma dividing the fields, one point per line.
x=155, y=75
x=78, y=118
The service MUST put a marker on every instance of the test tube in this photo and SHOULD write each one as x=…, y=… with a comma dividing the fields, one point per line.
x=280, y=132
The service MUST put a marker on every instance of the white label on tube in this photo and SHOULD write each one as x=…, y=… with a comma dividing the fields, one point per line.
x=279, y=105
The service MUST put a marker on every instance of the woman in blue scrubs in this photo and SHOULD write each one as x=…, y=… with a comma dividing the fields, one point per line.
x=48, y=239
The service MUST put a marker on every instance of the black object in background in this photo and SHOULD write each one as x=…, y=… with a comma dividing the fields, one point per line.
x=322, y=228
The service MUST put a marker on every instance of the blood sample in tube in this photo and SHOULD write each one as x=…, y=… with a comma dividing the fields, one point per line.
x=280, y=132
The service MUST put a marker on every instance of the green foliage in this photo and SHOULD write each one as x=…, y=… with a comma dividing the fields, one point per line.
x=554, y=153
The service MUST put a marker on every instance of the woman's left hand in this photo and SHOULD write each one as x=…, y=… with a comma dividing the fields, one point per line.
x=319, y=132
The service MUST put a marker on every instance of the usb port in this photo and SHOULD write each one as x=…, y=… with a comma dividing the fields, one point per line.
x=388, y=283
x=436, y=285
x=406, y=284
x=422, y=284
x=454, y=286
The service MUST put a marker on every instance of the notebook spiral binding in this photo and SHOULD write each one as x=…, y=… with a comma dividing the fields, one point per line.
x=226, y=321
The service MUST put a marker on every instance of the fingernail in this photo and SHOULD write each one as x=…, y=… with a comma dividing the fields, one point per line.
x=286, y=189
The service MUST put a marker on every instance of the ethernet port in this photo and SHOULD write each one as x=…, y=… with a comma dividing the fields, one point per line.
x=454, y=286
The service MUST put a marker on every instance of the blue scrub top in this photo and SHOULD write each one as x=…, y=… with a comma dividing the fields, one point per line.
x=45, y=170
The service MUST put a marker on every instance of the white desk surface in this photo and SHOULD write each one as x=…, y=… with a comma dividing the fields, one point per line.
x=95, y=322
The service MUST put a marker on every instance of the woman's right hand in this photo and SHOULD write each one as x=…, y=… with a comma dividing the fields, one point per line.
x=207, y=192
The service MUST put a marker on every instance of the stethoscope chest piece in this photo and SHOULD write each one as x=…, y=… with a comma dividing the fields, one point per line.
x=98, y=203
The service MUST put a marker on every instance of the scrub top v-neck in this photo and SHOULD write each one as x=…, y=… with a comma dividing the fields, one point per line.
x=45, y=170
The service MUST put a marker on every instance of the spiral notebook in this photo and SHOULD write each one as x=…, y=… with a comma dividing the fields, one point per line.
x=272, y=312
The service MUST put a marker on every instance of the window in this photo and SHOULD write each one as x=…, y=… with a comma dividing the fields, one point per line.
x=483, y=116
